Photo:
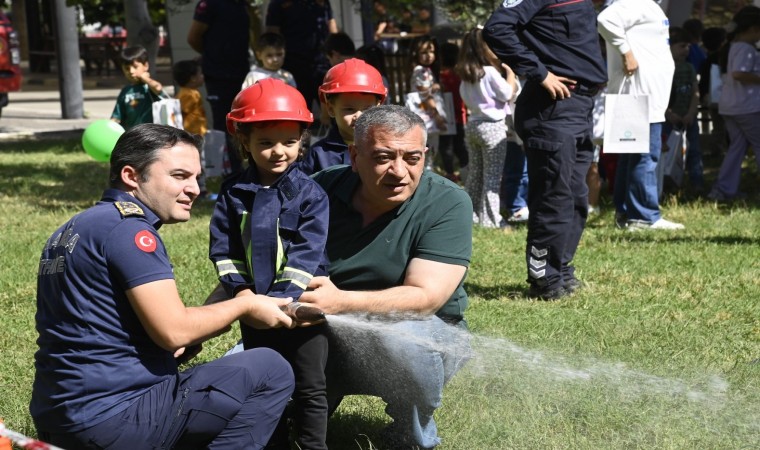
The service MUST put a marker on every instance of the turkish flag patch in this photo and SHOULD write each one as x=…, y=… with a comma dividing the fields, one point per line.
x=145, y=241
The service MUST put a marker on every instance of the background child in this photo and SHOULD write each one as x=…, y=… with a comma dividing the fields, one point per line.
x=189, y=77
x=739, y=102
x=268, y=234
x=514, y=177
x=374, y=55
x=339, y=47
x=682, y=109
x=349, y=88
x=486, y=94
x=134, y=105
x=453, y=144
x=424, y=80
x=270, y=53
x=709, y=88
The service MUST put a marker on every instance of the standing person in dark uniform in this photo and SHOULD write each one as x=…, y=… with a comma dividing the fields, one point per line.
x=305, y=24
x=554, y=44
x=219, y=32
x=111, y=322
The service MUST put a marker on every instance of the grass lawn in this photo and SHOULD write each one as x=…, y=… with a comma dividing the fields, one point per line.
x=660, y=349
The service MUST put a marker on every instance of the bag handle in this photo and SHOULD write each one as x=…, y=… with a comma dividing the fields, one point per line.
x=631, y=86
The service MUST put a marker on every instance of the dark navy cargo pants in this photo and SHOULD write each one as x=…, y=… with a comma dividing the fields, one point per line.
x=557, y=140
x=233, y=402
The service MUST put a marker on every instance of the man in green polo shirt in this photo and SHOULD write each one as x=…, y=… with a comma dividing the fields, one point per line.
x=399, y=244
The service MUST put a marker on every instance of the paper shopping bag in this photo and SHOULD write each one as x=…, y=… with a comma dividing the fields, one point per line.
x=413, y=101
x=167, y=111
x=673, y=159
x=626, y=122
x=214, y=147
x=716, y=84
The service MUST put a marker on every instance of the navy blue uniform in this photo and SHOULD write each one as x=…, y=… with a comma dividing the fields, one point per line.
x=225, y=59
x=305, y=26
x=272, y=240
x=533, y=38
x=330, y=151
x=99, y=376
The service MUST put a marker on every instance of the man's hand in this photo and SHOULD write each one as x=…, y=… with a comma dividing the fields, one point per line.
x=557, y=86
x=265, y=313
x=630, y=65
x=674, y=119
x=324, y=295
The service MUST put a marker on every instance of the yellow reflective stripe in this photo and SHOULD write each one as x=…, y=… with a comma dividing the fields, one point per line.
x=295, y=276
x=280, y=260
x=245, y=233
x=229, y=266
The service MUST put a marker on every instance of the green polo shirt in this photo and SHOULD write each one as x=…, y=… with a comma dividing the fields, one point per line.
x=434, y=224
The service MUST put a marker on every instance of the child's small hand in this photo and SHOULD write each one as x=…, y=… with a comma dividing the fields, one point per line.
x=440, y=122
x=145, y=77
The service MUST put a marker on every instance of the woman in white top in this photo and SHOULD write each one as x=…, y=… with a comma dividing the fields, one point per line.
x=486, y=93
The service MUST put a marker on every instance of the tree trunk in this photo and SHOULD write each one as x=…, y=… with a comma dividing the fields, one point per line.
x=69, y=73
x=140, y=29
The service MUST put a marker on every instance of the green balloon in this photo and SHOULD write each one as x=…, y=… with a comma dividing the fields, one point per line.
x=100, y=138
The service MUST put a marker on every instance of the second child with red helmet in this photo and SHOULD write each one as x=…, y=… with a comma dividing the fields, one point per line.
x=268, y=234
x=348, y=89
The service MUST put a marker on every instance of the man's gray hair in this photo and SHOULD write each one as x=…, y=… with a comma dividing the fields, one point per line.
x=393, y=119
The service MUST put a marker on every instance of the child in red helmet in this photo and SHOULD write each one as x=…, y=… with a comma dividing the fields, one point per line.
x=348, y=89
x=268, y=234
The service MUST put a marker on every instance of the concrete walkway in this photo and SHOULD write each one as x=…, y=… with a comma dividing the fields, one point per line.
x=38, y=114
x=35, y=111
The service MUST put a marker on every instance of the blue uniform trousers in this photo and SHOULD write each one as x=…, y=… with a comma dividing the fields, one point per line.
x=232, y=402
x=557, y=140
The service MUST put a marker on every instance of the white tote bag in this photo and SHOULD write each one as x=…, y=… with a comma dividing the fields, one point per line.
x=716, y=84
x=214, y=147
x=626, y=121
x=167, y=111
x=673, y=159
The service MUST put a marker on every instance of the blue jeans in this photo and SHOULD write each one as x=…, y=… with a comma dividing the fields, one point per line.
x=514, y=185
x=635, y=192
x=404, y=362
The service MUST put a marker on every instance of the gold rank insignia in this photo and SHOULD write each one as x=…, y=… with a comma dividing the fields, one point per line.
x=128, y=209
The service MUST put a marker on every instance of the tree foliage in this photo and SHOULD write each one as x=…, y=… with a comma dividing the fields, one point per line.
x=468, y=13
x=462, y=14
x=111, y=12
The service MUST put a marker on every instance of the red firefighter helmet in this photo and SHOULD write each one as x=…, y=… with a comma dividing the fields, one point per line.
x=353, y=75
x=268, y=99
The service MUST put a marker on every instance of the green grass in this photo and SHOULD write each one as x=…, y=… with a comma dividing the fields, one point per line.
x=660, y=349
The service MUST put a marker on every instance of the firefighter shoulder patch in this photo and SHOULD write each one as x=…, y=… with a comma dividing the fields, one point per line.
x=127, y=209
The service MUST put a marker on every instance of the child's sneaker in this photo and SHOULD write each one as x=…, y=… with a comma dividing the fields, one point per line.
x=520, y=216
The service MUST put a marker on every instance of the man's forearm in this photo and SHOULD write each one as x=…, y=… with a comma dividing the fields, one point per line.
x=408, y=299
